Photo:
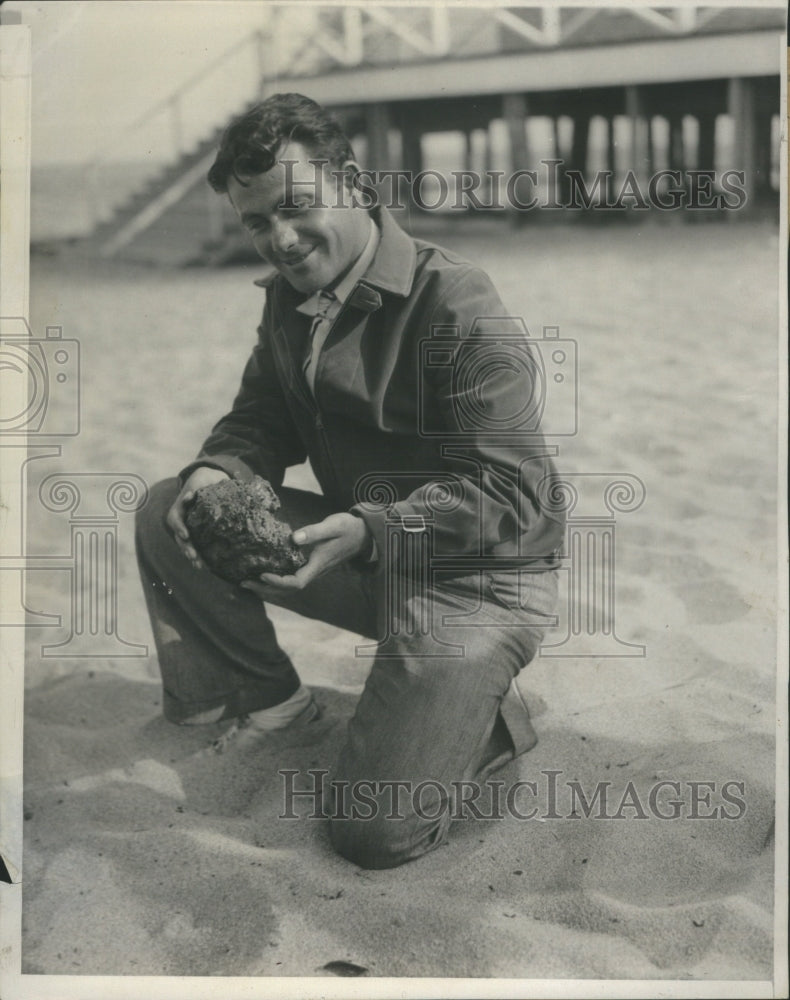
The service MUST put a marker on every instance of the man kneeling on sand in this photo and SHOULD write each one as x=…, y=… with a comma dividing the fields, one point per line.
x=431, y=535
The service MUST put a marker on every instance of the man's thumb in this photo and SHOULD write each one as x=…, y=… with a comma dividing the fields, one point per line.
x=312, y=533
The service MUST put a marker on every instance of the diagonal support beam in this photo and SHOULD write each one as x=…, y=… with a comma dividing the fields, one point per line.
x=154, y=209
x=547, y=34
x=668, y=23
x=334, y=49
x=427, y=46
x=578, y=21
x=345, y=50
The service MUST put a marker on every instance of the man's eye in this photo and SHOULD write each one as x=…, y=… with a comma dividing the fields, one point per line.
x=295, y=209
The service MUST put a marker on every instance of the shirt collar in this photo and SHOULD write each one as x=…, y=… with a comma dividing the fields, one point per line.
x=345, y=286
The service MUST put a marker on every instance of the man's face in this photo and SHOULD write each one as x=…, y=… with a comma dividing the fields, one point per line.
x=309, y=245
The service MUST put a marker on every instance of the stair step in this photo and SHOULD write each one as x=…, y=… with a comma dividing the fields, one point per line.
x=153, y=188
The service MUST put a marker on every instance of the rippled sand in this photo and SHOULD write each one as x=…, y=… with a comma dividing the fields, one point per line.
x=145, y=855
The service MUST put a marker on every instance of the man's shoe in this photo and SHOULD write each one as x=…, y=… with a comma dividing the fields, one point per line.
x=299, y=709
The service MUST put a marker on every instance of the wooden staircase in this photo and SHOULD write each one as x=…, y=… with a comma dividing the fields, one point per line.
x=175, y=218
x=348, y=52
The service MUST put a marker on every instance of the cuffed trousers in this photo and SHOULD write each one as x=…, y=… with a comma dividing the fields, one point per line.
x=439, y=706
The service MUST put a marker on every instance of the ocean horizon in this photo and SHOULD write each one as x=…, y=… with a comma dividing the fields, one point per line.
x=66, y=201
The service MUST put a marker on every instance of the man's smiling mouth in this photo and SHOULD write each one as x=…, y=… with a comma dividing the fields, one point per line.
x=295, y=259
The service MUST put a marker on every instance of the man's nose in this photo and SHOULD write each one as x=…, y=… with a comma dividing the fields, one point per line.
x=284, y=236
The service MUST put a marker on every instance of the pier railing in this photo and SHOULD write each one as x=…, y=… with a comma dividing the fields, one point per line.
x=172, y=126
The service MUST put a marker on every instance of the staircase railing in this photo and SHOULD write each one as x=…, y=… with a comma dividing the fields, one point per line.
x=340, y=39
x=170, y=111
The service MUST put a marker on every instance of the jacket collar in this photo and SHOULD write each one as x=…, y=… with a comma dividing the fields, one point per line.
x=393, y=266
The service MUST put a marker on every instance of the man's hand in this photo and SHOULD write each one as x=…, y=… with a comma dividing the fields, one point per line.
x=204, y=476
x=335, y=539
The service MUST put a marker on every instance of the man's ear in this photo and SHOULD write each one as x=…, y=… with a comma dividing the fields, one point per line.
x=351, y=170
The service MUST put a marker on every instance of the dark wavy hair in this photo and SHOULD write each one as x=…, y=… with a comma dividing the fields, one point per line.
x=250, y=144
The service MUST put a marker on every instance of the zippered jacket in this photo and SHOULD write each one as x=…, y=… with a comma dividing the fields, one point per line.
x=425, y=415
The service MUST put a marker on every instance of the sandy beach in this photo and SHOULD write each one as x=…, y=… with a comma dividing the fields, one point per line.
x=146, y=854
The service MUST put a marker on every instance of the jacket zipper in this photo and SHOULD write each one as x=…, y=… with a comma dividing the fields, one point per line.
x=323, y=443
x=318, y=419
x=311, y=404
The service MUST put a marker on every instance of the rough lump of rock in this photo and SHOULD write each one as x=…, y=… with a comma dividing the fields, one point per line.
x=236, y=532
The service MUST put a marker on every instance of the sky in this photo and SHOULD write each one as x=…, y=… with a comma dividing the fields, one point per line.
x=98, y=66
